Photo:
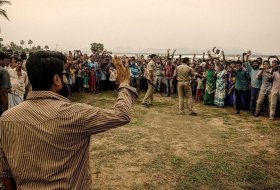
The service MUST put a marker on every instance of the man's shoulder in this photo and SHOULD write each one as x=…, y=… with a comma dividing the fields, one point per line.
x=151, y=62
x=179, y=66
x=3, y=71
x=26, y=109
x=80, y=107
x=14, y=113
x=23, y=72
x=184, y=66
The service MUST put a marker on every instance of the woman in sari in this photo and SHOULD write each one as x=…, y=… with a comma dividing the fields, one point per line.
x=92, y=80
x=221, y=81
x=85, y=79
x=210, y=85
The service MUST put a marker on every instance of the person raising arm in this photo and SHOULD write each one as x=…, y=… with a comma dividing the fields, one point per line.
x=44, y=141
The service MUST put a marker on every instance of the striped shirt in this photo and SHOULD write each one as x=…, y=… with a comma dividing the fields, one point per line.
x=44, y=141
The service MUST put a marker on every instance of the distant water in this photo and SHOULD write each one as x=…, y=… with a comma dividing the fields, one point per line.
x=199, y=56
x=228, y=57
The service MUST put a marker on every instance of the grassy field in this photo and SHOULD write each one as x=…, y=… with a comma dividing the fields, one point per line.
x=161, y=150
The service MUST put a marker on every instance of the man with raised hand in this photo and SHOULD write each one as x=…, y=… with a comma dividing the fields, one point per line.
x=253, y=70
x=44, y=141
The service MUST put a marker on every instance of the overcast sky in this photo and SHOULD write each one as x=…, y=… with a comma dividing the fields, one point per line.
x=74, y=24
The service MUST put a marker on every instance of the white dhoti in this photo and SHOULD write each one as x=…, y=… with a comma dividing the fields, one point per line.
x=14, y=100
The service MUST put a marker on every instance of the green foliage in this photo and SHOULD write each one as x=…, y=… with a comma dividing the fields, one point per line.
x=30, y=42
x=22, y=42
x=2, y=11
x=46, y=47
x=15, y=47
x=96, y=47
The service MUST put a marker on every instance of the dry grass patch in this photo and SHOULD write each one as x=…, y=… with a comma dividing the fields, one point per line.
x=161, y=150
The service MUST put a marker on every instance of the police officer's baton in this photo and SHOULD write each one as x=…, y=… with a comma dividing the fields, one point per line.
x=155, y=89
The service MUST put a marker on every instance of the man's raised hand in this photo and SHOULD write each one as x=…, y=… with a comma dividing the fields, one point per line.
x=249, y=53
x=123, y=74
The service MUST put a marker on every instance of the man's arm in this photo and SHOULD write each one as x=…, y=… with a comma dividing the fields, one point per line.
x=269, y=57
x=243, y=57
x=168, y=50
x=6, y=175
x=203, y=57
x=193, y=59
x=26, y=81
x=98, y=120
x=164, y=70
x=175, y=73
x=172, y=57
x=223, y=55
x=213, y=50
x=209, y=55
x=199, y=76
x=259, y=74
x=248, y=54
x=193, y=73
x=246, y=63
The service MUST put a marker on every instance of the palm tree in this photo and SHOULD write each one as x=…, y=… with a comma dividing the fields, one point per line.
x=2, y=11
x=30, y=42
x=12, y=45
x=22, y=42
x=46, y=47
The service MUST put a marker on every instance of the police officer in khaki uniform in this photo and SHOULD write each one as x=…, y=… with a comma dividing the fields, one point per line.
x=148, y=99
x=184, y=74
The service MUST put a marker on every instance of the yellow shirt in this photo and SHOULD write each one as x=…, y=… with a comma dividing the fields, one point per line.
x=151, y=68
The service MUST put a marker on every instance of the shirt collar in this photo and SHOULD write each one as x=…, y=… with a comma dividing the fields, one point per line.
x=46, y=95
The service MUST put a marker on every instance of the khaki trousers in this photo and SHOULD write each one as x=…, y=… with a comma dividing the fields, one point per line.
x=274, y=98
x=185, y=90
x=261, y=99
x=148, y=99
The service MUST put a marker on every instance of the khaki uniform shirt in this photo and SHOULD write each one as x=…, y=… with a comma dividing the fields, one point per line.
x=44, y=141
x=184, y=73
x=151, y=68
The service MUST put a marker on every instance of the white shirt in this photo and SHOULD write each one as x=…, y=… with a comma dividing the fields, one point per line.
x=19, y=83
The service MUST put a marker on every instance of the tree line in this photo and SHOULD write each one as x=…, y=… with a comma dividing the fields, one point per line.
x=22, y=46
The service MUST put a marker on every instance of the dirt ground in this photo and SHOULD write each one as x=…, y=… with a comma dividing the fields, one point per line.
x=162, y=150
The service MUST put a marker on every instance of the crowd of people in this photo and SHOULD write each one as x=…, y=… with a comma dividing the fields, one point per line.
x=244, y=83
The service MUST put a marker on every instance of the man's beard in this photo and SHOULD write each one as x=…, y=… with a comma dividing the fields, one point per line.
x=65, y=91
x=255, y=67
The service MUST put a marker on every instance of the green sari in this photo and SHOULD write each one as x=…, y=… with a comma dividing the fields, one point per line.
x=210, y=87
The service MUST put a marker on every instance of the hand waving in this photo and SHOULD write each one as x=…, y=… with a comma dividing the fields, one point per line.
x=123, y=74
